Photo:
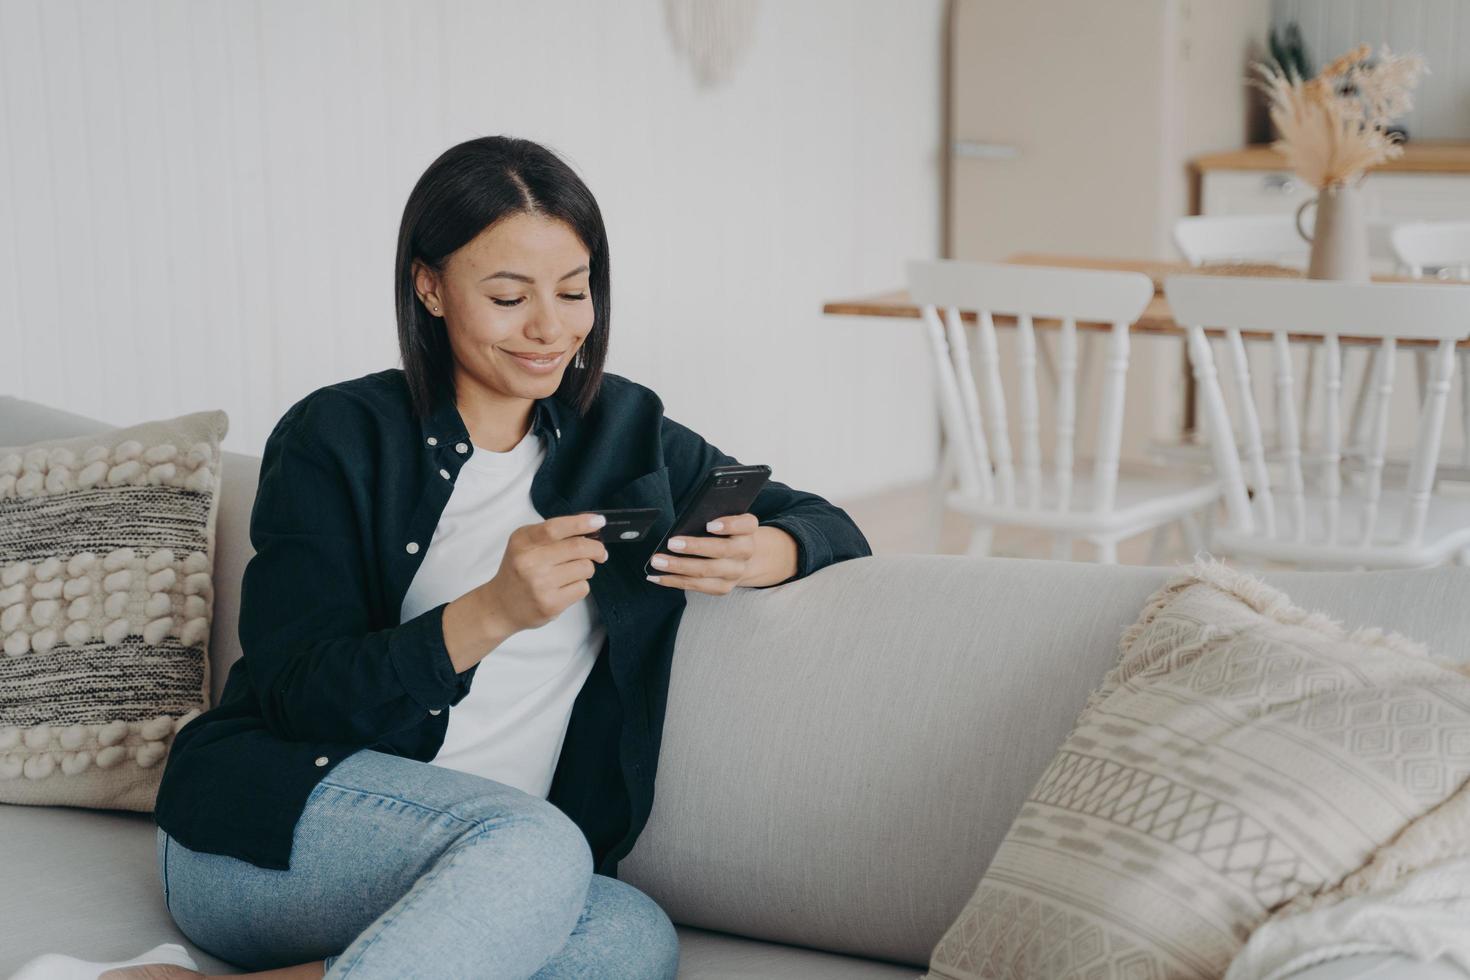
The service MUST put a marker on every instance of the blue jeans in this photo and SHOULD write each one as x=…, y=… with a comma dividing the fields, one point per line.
x=400, y=868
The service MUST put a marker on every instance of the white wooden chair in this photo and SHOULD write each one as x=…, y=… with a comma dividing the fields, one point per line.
x=1207, y=238
x=1272, y=513
x=1440, y=250
x=1100, y=506
x=1432, y=248
x=1274, y=238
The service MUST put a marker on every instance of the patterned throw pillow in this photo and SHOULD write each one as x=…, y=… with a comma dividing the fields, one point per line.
x=106, y=556
x=1243, y=753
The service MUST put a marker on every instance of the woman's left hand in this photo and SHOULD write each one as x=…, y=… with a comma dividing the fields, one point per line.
x=714, y=565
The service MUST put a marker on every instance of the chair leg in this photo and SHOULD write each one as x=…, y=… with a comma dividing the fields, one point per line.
x=980, y=538
x=1061, y=547
x=1107, y=552
x=1194, y=537
x=934, y=523
x=1157, y=542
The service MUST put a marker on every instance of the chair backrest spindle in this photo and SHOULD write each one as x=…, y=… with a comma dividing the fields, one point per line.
x=1383, y=390
x=965, y=441
x=1331, y=436
x=995, y=409
x=1288, y=432
x=1255, y=449
x=1110, y=420
x=1030, y=413
x=1030, y=294
x=1066, y=413
x=1431, y=428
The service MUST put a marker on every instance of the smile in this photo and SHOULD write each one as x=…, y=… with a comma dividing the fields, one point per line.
x=538, y=363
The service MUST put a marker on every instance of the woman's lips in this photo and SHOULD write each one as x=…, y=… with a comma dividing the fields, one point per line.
x=537, y=363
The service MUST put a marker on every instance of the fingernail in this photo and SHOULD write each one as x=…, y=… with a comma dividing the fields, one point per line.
x=659, y=561
x=676, y=543
x=651, y=578
x=714, y=526
x=597, y=520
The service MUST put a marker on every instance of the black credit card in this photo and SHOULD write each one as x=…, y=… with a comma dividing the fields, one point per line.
x=624, y=525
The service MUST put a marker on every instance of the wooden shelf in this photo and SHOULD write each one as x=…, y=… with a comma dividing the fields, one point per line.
x=1420, y=156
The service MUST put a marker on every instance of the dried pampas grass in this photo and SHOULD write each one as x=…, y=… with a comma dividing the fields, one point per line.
x=1333, y=127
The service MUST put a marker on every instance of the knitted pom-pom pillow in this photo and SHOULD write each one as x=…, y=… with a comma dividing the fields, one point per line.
x=106, y=558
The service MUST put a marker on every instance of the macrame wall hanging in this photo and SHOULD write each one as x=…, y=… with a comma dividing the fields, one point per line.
x=713, y=34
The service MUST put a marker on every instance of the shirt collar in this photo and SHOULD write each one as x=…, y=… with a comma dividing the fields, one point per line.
x=445, y=426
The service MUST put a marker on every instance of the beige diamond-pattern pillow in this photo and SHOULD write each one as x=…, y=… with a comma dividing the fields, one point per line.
x=1242, y=754
x=106, y=558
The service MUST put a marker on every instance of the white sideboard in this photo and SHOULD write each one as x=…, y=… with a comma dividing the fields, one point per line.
x=1430, y=182
x=1387, y=195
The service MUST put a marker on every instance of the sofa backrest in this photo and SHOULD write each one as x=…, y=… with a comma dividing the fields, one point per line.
x=842, y=755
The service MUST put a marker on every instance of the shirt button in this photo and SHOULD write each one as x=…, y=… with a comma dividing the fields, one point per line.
x=461, y=447
x=435, y=711
x=444, y=473
x=321, y=760
x=433, y=441
x=412, y=547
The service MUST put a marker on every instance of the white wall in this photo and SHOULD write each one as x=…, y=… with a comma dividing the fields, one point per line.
x=1437, y=29
x=199, y=201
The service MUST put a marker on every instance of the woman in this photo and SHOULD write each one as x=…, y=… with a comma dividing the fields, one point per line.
x=355, y=805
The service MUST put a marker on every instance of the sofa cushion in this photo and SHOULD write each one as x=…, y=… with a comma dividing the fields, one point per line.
x=106, y=588
x=1242, y=755
x=92, y=889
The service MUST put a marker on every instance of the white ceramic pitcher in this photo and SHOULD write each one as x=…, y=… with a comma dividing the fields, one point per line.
x=1340, y=237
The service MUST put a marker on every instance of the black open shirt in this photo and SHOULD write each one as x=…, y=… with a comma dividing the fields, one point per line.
x=351, y=489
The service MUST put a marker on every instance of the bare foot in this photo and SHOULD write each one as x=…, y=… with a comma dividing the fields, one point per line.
x=151, y=971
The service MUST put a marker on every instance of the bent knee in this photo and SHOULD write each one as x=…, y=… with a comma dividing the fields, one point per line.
x=545, y=828
x=653, y=941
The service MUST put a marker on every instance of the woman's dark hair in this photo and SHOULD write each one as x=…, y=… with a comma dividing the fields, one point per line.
x=466, y=190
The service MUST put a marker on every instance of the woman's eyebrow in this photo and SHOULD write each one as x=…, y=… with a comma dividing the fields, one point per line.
x=520, y=278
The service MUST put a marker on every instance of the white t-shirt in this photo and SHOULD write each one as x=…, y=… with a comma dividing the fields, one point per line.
x=511, y=725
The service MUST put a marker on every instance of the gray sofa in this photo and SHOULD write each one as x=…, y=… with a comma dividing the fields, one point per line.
x=841, y=757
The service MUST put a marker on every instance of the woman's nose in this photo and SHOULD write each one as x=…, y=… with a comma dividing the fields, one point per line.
x=545, y=325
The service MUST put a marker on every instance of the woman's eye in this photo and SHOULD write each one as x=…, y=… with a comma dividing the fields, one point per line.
x=517, y=301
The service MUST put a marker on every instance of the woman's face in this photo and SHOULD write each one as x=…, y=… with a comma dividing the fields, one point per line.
x=520, y=287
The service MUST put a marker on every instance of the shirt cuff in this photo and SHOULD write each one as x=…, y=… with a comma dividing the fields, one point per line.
x=420, y=658
x=812, y=549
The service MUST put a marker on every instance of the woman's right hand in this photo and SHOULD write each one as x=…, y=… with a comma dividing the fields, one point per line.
x=544, y=570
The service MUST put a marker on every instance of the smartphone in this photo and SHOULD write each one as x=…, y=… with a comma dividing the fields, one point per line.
x=624, y=524
x=726, y=490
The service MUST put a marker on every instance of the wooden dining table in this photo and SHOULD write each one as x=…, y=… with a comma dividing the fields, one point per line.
x=1157, y=318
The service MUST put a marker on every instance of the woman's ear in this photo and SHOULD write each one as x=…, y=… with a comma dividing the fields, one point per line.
x=426, y=284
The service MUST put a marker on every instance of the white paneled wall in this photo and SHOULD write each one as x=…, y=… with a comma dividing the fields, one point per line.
x=1437, y=29
x=199, y=201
